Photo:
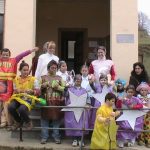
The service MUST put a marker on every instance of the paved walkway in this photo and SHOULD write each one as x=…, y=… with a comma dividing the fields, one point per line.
x=8, y=143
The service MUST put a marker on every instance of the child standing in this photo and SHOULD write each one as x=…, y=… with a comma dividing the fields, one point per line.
x=70, y=119
x=105, y=129
x=64, y=73
x=144, y=90
x=131, y=102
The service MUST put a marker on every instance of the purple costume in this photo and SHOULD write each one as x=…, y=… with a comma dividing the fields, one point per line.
x=95, y=103
x=124, y=125
x=70, y=121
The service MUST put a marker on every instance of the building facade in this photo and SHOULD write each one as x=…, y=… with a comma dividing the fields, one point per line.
x=77, y=27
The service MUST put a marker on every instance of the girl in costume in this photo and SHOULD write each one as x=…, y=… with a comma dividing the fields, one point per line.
x=120, y=85
x=71, y=120
x=21, y=102
x=102, y=88
x=131, y=102
x=8, y=70
x=65, y=74
x=144, y=96
x=105, y=129
x=52, y=88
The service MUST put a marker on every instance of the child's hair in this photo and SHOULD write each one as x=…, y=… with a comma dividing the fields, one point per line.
x=51, y=44
x=52, y=62
x=61, y=63
x=110, y=96
x=84, y=66
x=130, y=87
x=103, y=76
x=77, y=76
x=23, y=63
x=5, y=50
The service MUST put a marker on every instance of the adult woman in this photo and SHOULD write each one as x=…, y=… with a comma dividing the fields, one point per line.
x=138, y=74
x=52, y=87
x=21, y=102
x=102, y=65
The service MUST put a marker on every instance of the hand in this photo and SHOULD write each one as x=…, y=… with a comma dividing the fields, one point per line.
x=113, y=114
x=87, y=106
x=131, y=106
x=35, y=49
x=29, y=91
x=107, y=121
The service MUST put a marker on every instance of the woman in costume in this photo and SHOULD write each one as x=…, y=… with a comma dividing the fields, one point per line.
x=22, y=101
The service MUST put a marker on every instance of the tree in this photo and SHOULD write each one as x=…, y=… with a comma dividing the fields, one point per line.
x=144, y=23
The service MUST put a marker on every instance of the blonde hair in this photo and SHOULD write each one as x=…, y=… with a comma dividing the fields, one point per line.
x=51, y=44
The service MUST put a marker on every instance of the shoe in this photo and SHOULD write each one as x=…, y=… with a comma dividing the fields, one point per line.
x=82, y=144
x=141, y=143
x=16, y=126
x=2, y=125
x=120, y=144
x=43, y=141
x=29, y=125
x=147, y=145
x=130, y=144
x=75, y=143
x=57, y=140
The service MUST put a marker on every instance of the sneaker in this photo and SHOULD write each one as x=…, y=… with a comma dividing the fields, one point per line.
x=57, y=140
x=141, y=143
x=82, y=144
x=16, y=126
x=43, y=141
x=28, y=125
x=2, y=125
x=130, y=144
x=120, y=144
x=75, y=143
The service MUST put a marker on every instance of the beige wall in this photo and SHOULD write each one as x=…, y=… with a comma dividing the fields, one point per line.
x=91, y=14
x=124, y=20
x=19, y=31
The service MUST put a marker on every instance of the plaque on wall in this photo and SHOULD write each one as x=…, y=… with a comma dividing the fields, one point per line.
x=125, y=38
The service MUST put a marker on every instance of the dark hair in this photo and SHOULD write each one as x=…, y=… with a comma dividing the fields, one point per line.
x=143, y=76
x=52, y=62
x=23, y=63
x=77, y=76
x=110, y=96
x=84, y=66
x=61, y=62
x=130, y=86
x=5, y=50
x=101, y=47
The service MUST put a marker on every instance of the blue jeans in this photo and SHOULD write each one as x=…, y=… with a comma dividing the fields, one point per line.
x=45, y=132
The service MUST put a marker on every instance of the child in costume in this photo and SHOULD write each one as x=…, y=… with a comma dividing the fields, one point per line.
x=120, y=85
x=105, y=128
x=144, y=96
x=102, y=88
x=25, y=89
x=8, y=70
x=52, y=88
x=64, y=73
x=131, y=102
x=76, y=96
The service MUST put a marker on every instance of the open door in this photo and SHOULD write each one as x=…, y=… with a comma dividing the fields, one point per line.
x=72, y=49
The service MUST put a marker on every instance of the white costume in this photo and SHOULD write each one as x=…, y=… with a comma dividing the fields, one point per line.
x=43, y=61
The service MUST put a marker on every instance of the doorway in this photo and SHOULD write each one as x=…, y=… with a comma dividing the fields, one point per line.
x=72, y=43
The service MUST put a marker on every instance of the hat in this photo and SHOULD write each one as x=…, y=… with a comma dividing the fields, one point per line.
x=143, y=85
x=118, y=81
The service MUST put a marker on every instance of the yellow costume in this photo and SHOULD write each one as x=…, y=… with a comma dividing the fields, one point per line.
x=24, y=84
x=104, y=135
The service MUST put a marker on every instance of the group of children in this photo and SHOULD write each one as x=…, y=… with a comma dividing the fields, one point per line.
x=62, y=88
